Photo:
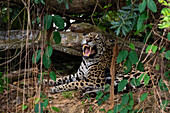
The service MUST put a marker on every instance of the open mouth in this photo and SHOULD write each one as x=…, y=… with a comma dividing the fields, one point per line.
x=89, y=51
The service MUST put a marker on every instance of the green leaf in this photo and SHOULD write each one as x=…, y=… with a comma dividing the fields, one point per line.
x=37, y=108
x=135, y=82
x=167, y=74
x=131, y=45
x=152, y=6
x=157, y=67
x=55, y=109
x=1, y=88
x=124, y=110
x=49, y=51
x=141, y=19
x=146, y=79
x=114, y=26
x=110, y=111
x=117, y=108
x=142, y=6
x=45, y=103
x=117, y=31
x=142, y=77
x=124, y=30
x=59, y=22
x=47, y=21
x=162, y=85
x=99, y=95
x=153, y=49
x=42, y=1
x=53, y=75
x=106, y=87
x=143, y=97
x=38, y=56
x=46, y=61
x=140, y=66
x=66, y=5
x=106, y=97
x=1, y=74
x=125, y=99
x=103, y=110
x=131, y=103
x=56, y=37
x=127, y=66
x=162, y=50
x=167, y=55
x=168, y=36
x=164, y=104
x=99, y=102
x=107, y=6
x=122, y=84
x=122, y=56
x=133, y=57
x=37, y=100
x=24, y=107
x=37, y=1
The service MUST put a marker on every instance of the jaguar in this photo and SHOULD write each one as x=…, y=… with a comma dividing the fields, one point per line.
x=94, y=68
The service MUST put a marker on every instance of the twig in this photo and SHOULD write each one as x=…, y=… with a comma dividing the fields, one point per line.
x=161, y=36
x=112, y=73
x=94, y=12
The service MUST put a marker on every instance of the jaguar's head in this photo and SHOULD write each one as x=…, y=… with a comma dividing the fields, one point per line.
x=94, y=44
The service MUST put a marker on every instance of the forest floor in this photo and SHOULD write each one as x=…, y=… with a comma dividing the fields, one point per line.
x=71, y=102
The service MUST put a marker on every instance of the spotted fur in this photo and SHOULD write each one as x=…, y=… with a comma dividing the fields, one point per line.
x=94, y=69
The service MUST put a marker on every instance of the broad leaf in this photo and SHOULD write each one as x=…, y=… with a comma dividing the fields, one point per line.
x=135, y=82
x=47, y=21
x=168, y=36
x=133, y=57
x=55, y=109
x=45, y=103
x=167, y=74
x=143, y=97
x=53, y=75
x=131, y=45
x=59, y=22
x=99, y=95
x=167, y=55
x=46, y=61
x=152, y=6
x=164, y=104
x=162, y=85
x=117, y=108
x=35, y=58
x=140, y=66
x=122, y=56
x=37, y=108
x=124, y=110
x=99, y=102
x=56, y=37
x=142, y=6
x=125, y=99
x=122, y=84
x=49, y=51
x=127, y=66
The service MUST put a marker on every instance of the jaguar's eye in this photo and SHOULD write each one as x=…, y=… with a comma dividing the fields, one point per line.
x=111, y=40
x=97, y=37
x=84, y=34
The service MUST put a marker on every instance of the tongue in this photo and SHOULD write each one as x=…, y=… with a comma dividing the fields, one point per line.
x=87, y=52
